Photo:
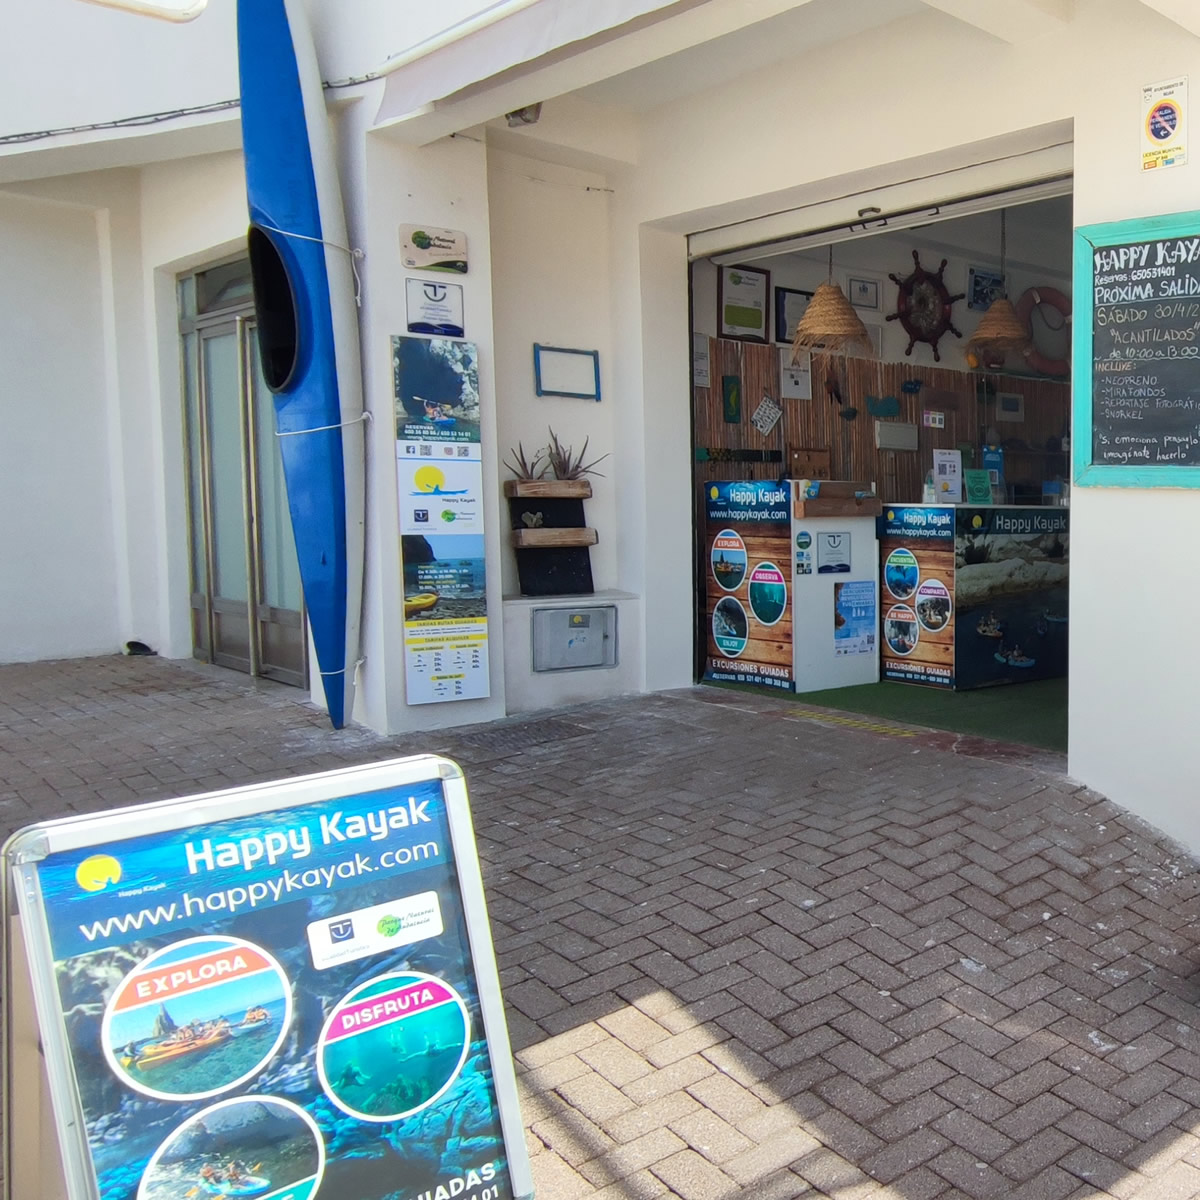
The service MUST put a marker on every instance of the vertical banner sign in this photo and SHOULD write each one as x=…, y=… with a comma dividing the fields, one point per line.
x=1011, y=595
x=439, y=470
x=916, y=547
x=748, y=541
x=278, y=991
x=1164, y=123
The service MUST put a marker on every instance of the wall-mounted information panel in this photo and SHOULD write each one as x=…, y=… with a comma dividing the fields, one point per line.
x=1136, y=352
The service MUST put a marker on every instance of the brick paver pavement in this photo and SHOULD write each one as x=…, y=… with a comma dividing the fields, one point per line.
x=749, y=949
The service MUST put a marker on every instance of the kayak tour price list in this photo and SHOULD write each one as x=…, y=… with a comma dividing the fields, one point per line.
x=1146, y=353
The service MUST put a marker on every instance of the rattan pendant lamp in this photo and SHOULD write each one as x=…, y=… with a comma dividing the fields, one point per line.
x=829, y=322
x=999, y=329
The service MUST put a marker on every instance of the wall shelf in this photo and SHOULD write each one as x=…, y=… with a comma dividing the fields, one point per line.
x=530, y=539
x=536, y=489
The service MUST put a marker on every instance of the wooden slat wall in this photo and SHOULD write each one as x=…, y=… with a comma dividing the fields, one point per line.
x=897, y=474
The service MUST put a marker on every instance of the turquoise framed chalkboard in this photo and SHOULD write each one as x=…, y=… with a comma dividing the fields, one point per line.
x=1136, y=352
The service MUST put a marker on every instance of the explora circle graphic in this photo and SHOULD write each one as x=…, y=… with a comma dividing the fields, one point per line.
x=728, y=558
x=197, y=1018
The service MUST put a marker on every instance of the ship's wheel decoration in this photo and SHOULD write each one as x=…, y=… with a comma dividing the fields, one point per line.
x=924, y=306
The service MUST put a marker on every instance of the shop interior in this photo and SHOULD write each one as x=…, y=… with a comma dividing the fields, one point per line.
x=922, y=379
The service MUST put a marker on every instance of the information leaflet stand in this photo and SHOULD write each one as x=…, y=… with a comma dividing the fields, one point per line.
x=282, y=991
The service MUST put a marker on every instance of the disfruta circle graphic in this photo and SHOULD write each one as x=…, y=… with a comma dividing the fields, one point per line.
x=393, y=1045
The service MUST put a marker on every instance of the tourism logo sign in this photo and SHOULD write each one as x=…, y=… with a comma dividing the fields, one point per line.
x=274, y=991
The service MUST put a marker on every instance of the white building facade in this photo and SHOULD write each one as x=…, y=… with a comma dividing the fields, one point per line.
x=666, y=132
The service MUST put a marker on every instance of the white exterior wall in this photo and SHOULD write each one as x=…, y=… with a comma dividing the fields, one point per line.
x=780, y=135
x=443, y=184
x=59, y=592
x=193, y=213
x=1130, y=690
x=550, y=285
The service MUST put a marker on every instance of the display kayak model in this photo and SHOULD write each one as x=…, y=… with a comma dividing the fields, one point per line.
x=248, y=1185
x=307, y=318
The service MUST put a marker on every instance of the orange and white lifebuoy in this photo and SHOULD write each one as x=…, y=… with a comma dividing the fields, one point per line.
x=1035, y=297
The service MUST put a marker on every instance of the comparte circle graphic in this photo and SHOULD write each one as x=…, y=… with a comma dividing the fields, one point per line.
x=393, y=1045
x=272, y=1145
x=901, y=630
x=767, y=593
x=728, y=560
x=933, y=605
x=900, y=573
x=197, y=1018
x=730, y=626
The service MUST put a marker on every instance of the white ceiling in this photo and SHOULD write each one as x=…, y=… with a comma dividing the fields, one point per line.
x=789, y=35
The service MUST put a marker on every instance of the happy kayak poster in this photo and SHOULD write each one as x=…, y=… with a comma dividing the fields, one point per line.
x=439, y=474
x=286, y=1002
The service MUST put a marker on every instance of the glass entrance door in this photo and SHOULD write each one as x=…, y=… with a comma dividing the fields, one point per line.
x=245, y=593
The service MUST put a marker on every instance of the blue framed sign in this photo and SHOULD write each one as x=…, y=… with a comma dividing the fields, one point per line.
x=562, y=372
x=1136, y=349
x=289, y=990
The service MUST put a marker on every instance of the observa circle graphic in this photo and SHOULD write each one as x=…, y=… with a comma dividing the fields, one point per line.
x=767, y=593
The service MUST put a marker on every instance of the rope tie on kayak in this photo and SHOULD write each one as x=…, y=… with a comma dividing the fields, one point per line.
x=342, y=670
x=363, y=416
x=355, y=254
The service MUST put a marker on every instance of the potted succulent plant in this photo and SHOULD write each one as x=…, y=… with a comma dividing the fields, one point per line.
x=549, y=531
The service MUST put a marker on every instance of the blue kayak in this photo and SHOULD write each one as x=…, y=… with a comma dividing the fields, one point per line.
x=304, y=297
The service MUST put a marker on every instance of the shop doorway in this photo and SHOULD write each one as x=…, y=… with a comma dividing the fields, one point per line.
x=246, y=602
x=875, y=413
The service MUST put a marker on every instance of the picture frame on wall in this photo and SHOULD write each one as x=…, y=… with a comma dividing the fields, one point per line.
x=744, y=303
x=984, y=286
x=1010, y=406
x=790, y=304
x=865, y=292
x=858, y=350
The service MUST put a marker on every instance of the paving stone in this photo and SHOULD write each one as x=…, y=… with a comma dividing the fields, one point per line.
x=693, y=1177
x=1035, y=1155
x=904, y=1155
x=969, y=1174
x=620, y=1162
x=713, y=1137
x=749, y=977
x=770, y=1155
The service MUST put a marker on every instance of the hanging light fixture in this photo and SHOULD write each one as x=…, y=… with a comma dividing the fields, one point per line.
x=999, y=329
x=829, y=322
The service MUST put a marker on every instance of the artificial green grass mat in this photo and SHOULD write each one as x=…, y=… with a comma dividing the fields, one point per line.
x=1030, y=714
